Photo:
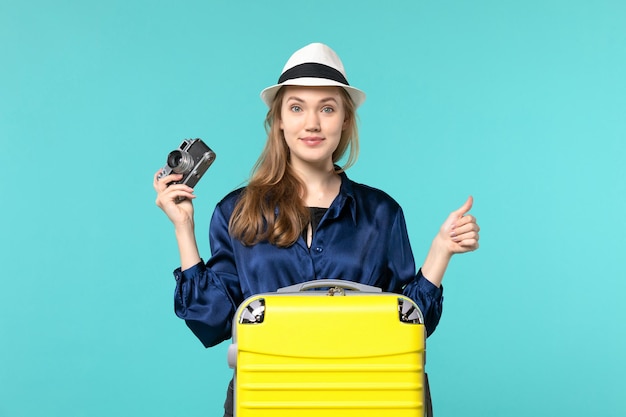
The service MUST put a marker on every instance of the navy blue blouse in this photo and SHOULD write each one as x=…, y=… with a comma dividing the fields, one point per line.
x=362, y=237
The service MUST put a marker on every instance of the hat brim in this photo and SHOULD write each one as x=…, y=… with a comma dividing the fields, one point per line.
x=268, y=94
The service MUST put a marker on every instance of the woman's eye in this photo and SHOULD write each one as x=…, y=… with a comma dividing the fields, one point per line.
x=327, y=110
x=295, y=108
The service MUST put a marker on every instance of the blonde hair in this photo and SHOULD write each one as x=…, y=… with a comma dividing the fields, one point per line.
x=271, y=206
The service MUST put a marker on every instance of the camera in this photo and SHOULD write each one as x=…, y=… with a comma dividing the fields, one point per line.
x=192, y=159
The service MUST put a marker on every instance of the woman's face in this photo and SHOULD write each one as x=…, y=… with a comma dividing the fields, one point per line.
x=312, y=120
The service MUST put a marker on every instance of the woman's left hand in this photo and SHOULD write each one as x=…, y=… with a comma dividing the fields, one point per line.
x=459, y=233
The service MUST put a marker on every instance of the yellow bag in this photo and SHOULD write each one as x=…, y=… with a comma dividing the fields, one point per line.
x=349, y=351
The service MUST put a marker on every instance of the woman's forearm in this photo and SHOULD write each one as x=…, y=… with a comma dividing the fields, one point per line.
x=187, y=246
x=436, y=262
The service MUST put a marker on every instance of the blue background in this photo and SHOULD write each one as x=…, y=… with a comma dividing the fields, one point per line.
x=518, y=103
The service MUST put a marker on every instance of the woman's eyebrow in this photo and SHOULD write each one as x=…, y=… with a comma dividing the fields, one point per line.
x=324, y=100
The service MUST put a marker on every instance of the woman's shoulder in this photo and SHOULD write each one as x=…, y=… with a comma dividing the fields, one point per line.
x=372, y=195
x=228, y=202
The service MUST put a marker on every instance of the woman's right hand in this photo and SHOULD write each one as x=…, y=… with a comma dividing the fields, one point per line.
x=174, y=200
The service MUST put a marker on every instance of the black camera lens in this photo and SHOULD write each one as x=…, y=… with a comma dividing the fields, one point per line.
x=180, y=161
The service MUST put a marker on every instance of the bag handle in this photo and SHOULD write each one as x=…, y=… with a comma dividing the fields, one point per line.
x=322, y=283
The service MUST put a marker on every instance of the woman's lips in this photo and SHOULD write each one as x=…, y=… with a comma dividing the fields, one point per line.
x=312, y=140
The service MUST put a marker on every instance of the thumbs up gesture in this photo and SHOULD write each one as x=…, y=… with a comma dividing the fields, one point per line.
x=460, y=230
x=458, y=234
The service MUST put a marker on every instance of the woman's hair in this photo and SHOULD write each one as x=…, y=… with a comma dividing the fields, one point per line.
x=271, y=207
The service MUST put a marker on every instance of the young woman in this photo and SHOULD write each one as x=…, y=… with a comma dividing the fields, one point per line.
x=300, y=217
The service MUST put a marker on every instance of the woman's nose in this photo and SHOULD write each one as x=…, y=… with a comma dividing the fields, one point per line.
x=312, y=122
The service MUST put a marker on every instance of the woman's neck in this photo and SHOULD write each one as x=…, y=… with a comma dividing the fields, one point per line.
x=321, y=186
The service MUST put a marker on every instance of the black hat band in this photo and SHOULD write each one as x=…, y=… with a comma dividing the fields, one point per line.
x=313, y=70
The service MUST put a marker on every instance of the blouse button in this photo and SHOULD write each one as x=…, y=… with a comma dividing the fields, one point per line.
x=319, y=250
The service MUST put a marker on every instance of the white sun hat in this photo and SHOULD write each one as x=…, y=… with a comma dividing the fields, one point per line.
x=315, y=65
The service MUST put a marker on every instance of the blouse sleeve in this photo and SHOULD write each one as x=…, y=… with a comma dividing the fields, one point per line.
x=428, y=296
x=207, y=295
